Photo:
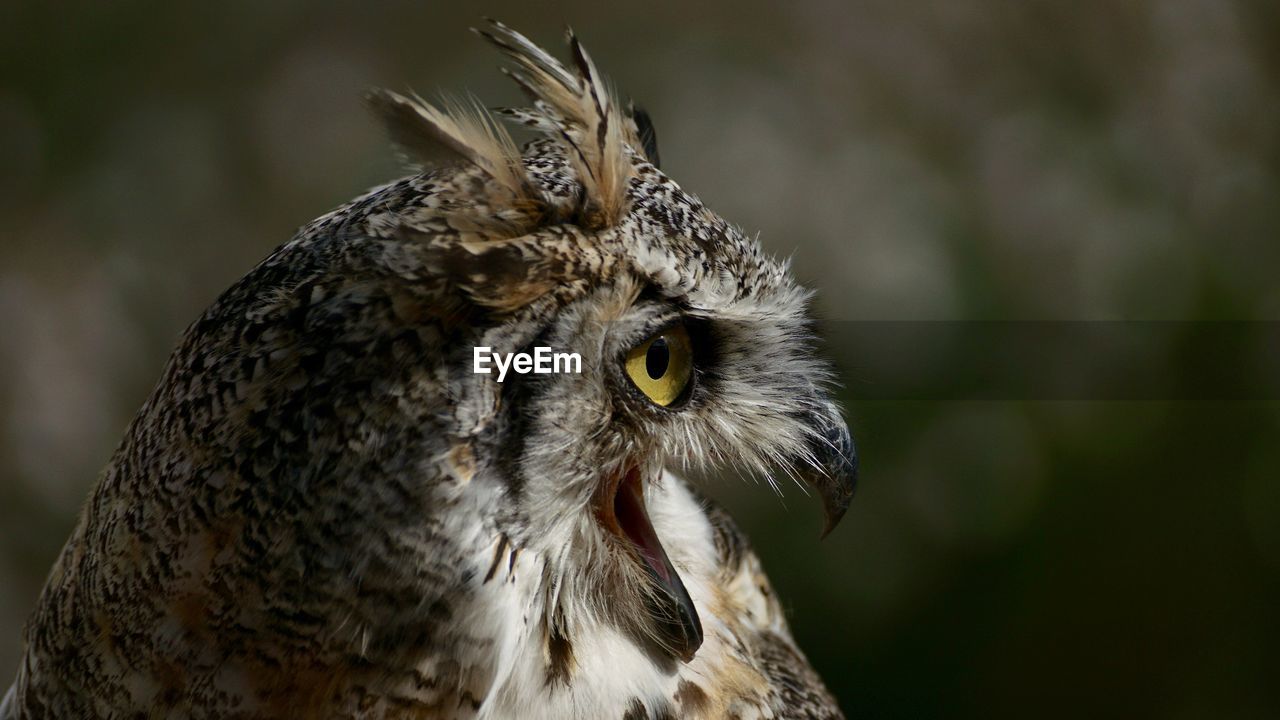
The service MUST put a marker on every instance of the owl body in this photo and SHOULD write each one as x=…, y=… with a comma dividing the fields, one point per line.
x=322, y=511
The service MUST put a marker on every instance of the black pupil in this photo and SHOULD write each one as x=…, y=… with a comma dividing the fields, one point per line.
x=657, y=358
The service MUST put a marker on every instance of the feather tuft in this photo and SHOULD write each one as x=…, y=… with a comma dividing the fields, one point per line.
x=573, y=105
x=584, y=114
x=462, y=131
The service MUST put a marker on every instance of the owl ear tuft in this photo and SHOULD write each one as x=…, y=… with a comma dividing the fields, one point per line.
x=577, y=109
x=648, y=136
x=463, y=131
x=574, y=108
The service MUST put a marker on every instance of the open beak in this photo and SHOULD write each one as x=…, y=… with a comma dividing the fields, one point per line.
x=831, y=468
x=679, y=628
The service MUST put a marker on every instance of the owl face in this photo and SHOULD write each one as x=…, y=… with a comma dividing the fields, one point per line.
x=695, y=345
x=696, y=353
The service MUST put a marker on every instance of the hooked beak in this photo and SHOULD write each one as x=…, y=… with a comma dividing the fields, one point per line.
x=833, y=472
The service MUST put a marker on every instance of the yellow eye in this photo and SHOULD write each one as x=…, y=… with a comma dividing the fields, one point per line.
x=662, y=365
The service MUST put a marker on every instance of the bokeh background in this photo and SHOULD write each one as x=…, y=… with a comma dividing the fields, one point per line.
x=1010, y=553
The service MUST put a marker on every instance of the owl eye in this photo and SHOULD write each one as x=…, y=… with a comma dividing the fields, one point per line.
x=662, y=366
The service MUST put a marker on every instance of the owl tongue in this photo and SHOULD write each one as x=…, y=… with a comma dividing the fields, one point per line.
x=679, y=626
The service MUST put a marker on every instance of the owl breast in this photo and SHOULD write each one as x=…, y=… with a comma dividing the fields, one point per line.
x=599, y=670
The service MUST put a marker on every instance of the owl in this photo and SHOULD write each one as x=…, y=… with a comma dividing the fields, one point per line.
x=328, y=508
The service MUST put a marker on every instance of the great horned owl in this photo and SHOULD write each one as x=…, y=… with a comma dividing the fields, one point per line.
x=324, y=511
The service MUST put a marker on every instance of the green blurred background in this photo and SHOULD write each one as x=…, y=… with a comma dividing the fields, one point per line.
x=944, y=160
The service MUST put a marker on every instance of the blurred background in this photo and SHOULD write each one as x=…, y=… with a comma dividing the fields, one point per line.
x=1015, y=549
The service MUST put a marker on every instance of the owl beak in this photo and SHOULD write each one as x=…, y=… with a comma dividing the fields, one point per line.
x=832, y=466
x=678, y=627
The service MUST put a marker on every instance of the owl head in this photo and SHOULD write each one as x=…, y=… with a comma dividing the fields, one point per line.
x=696, y=347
